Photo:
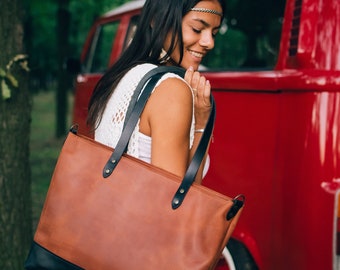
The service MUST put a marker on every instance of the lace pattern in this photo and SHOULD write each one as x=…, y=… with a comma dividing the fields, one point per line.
x=110, y=128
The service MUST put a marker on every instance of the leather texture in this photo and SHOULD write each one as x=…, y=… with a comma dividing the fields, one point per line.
x=126, y=221
x=131, y=215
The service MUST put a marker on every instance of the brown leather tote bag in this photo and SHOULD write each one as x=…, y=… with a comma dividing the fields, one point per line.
x=107, y=210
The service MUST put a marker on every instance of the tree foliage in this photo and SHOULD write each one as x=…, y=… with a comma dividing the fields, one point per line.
x=42, y=26
x=58, y=29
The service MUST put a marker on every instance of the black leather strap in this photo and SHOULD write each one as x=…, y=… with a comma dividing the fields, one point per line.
x=196, y=161
x=150, y=80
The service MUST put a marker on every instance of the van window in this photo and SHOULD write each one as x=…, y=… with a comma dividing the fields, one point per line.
x=98, y=56
x=249, y=37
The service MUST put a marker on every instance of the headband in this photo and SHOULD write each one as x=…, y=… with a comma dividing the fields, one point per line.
x=207, y=11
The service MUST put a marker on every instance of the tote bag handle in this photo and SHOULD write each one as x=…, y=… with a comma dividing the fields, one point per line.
x=150, y=80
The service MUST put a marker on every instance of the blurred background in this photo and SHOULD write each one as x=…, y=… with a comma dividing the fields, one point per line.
x=54, y=31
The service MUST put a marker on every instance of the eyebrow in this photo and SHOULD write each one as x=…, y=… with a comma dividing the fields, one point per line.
x=205, y=23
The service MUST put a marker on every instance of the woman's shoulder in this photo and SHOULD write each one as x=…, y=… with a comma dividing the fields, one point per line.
x=174, y=90
x=173, y=83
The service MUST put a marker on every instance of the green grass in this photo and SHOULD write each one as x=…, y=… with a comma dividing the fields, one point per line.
x=44, y=148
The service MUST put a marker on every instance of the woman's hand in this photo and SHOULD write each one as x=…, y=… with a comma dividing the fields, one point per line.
x=202, y=90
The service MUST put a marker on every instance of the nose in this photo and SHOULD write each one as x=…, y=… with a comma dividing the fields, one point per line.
x=207, y=40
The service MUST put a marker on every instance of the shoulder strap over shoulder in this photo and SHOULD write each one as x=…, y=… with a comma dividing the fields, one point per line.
x=150, y=80
x=154, y=72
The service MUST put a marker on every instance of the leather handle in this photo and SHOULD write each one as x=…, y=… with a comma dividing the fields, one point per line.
x=129, y=127
x=196, y=161
x=149, y=81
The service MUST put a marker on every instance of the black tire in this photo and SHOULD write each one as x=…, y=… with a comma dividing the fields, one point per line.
x=241, y=256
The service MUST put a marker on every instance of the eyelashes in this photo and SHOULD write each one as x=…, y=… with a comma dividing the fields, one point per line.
x=199, y=31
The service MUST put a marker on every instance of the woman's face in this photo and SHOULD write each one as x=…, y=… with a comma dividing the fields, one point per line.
x=199, y=31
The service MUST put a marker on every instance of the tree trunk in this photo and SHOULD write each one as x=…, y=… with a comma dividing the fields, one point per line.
x=15, y=114
x=63, y=26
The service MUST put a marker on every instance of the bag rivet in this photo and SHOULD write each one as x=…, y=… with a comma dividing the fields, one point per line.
x=176, y=201
x=113, y=161
x=181, y=190
x=107, y=171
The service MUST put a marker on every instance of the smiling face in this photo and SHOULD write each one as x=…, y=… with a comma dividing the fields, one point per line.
x=199, y=29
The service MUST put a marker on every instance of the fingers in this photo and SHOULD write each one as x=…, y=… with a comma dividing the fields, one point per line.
x=192, y=77
x=201, y=87
x=203, y=92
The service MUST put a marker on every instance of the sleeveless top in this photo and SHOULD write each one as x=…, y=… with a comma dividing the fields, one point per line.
x=111, y=125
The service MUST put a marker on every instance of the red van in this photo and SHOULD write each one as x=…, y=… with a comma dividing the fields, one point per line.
x=277, y=133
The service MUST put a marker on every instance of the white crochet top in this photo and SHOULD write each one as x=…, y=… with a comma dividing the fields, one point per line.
x=110, y=128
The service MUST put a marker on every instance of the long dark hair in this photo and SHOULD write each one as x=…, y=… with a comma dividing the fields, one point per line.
x=157, y=19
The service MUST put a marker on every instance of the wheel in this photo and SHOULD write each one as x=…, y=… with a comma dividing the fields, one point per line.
x=235, y=256
x=229, y=259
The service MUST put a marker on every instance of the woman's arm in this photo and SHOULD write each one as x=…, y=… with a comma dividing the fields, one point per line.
x=167, y=119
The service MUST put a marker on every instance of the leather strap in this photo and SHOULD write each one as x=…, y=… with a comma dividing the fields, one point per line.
x=150, y=80
x=196, y=161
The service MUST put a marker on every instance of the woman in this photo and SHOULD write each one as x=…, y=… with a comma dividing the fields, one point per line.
x=170, y=32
